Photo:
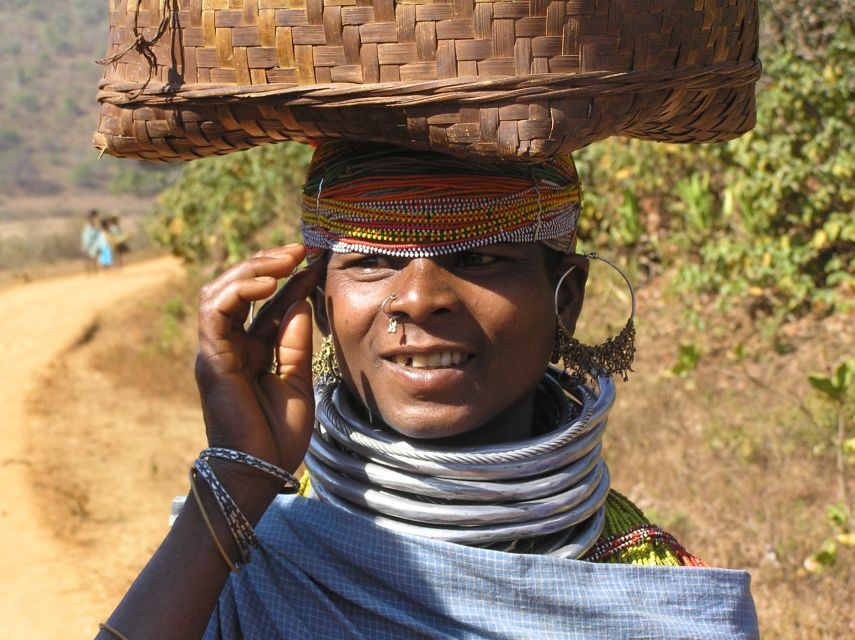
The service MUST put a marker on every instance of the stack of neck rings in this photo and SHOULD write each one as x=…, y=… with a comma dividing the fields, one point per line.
x=542, y=495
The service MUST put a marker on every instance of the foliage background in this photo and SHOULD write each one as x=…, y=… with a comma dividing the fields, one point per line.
x=767, y=217
x=224, y=209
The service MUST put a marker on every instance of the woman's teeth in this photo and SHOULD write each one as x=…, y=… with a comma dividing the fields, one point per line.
x=426, y=360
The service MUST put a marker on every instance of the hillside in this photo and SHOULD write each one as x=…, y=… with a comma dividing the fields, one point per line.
x=48, y=79
x=50, y=175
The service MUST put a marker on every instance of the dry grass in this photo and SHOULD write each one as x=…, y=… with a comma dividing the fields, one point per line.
x=736, y=458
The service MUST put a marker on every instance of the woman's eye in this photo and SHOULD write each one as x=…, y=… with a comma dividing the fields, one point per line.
x=472, y=259
x=367, y=262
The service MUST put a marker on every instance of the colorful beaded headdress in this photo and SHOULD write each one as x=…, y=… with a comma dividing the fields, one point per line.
x=378, y=198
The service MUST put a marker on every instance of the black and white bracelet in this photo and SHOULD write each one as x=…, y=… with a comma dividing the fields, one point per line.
x=239, y=526
x=289, y=482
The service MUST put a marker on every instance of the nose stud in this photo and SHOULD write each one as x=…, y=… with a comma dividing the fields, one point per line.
x=386, y=307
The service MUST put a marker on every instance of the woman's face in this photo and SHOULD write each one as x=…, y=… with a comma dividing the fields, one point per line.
x=475, y=331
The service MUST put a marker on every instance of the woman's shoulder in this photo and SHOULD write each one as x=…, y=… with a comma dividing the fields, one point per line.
x=628, y=537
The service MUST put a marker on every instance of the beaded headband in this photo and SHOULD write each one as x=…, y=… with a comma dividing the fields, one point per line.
x=377, y=198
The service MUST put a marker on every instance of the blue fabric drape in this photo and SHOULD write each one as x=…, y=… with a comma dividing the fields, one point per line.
x=324, y=574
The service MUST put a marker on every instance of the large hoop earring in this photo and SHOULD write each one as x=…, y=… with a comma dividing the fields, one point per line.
x=612, y=357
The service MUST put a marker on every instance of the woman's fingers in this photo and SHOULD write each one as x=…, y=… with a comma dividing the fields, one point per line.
x=288, y=398
x=294, y=346
x=278, y=262
x=267, y=321
x=263, y=414
x=222, y=310
x=294, y=248
x=224, y=302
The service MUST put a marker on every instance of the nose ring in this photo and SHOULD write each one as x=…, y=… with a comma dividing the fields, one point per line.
x=386, y=307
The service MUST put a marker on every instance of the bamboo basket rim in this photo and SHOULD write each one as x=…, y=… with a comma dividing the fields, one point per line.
x=464, y=90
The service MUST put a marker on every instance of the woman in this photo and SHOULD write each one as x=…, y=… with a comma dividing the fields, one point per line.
x=89, y=241
x=446, y=286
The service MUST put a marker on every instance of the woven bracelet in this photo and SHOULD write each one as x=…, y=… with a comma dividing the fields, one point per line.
x=240, y=528
x=235, y=567
x=288, y=480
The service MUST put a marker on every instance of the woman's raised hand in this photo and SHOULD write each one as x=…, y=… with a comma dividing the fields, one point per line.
x=246, y=407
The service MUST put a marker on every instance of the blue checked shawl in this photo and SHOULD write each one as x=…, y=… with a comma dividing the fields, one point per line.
x=324, y=574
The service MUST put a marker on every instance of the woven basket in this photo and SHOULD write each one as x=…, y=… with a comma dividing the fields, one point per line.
x=522, y=80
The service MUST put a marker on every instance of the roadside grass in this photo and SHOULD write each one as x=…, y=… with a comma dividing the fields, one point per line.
x=59, y=245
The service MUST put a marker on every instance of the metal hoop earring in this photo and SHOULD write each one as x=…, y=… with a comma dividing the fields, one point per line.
x=614, y=356
x=386, y=307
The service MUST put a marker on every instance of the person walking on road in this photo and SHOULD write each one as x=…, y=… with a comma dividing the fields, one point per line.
x=89, y=241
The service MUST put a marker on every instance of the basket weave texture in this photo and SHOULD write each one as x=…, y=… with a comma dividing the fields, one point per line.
x=516, y=79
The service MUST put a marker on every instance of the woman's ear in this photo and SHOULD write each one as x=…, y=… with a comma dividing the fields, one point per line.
x=571, y=293
x=319, y=307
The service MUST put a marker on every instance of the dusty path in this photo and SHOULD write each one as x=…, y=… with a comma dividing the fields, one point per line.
x=42, y=591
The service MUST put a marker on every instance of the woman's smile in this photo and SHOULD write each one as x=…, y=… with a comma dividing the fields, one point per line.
x=436, y=360
x=429, y=373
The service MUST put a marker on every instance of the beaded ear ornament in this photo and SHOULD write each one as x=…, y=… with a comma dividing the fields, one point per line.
x=325, y=369
x=614, y=356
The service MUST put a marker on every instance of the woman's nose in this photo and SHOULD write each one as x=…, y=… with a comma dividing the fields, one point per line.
x=423, y=289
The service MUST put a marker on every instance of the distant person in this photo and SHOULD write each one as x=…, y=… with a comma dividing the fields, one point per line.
x=118, y=239
x=104, y=248
x=89, y=240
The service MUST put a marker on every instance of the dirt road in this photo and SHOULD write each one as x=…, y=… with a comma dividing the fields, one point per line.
x=44, y=593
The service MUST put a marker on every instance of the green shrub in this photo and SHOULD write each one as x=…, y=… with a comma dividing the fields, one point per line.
x=218, y=205
x=768, y=216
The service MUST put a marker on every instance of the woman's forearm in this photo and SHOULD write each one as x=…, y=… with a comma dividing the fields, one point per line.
x=175, y=594
x=247, y=408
